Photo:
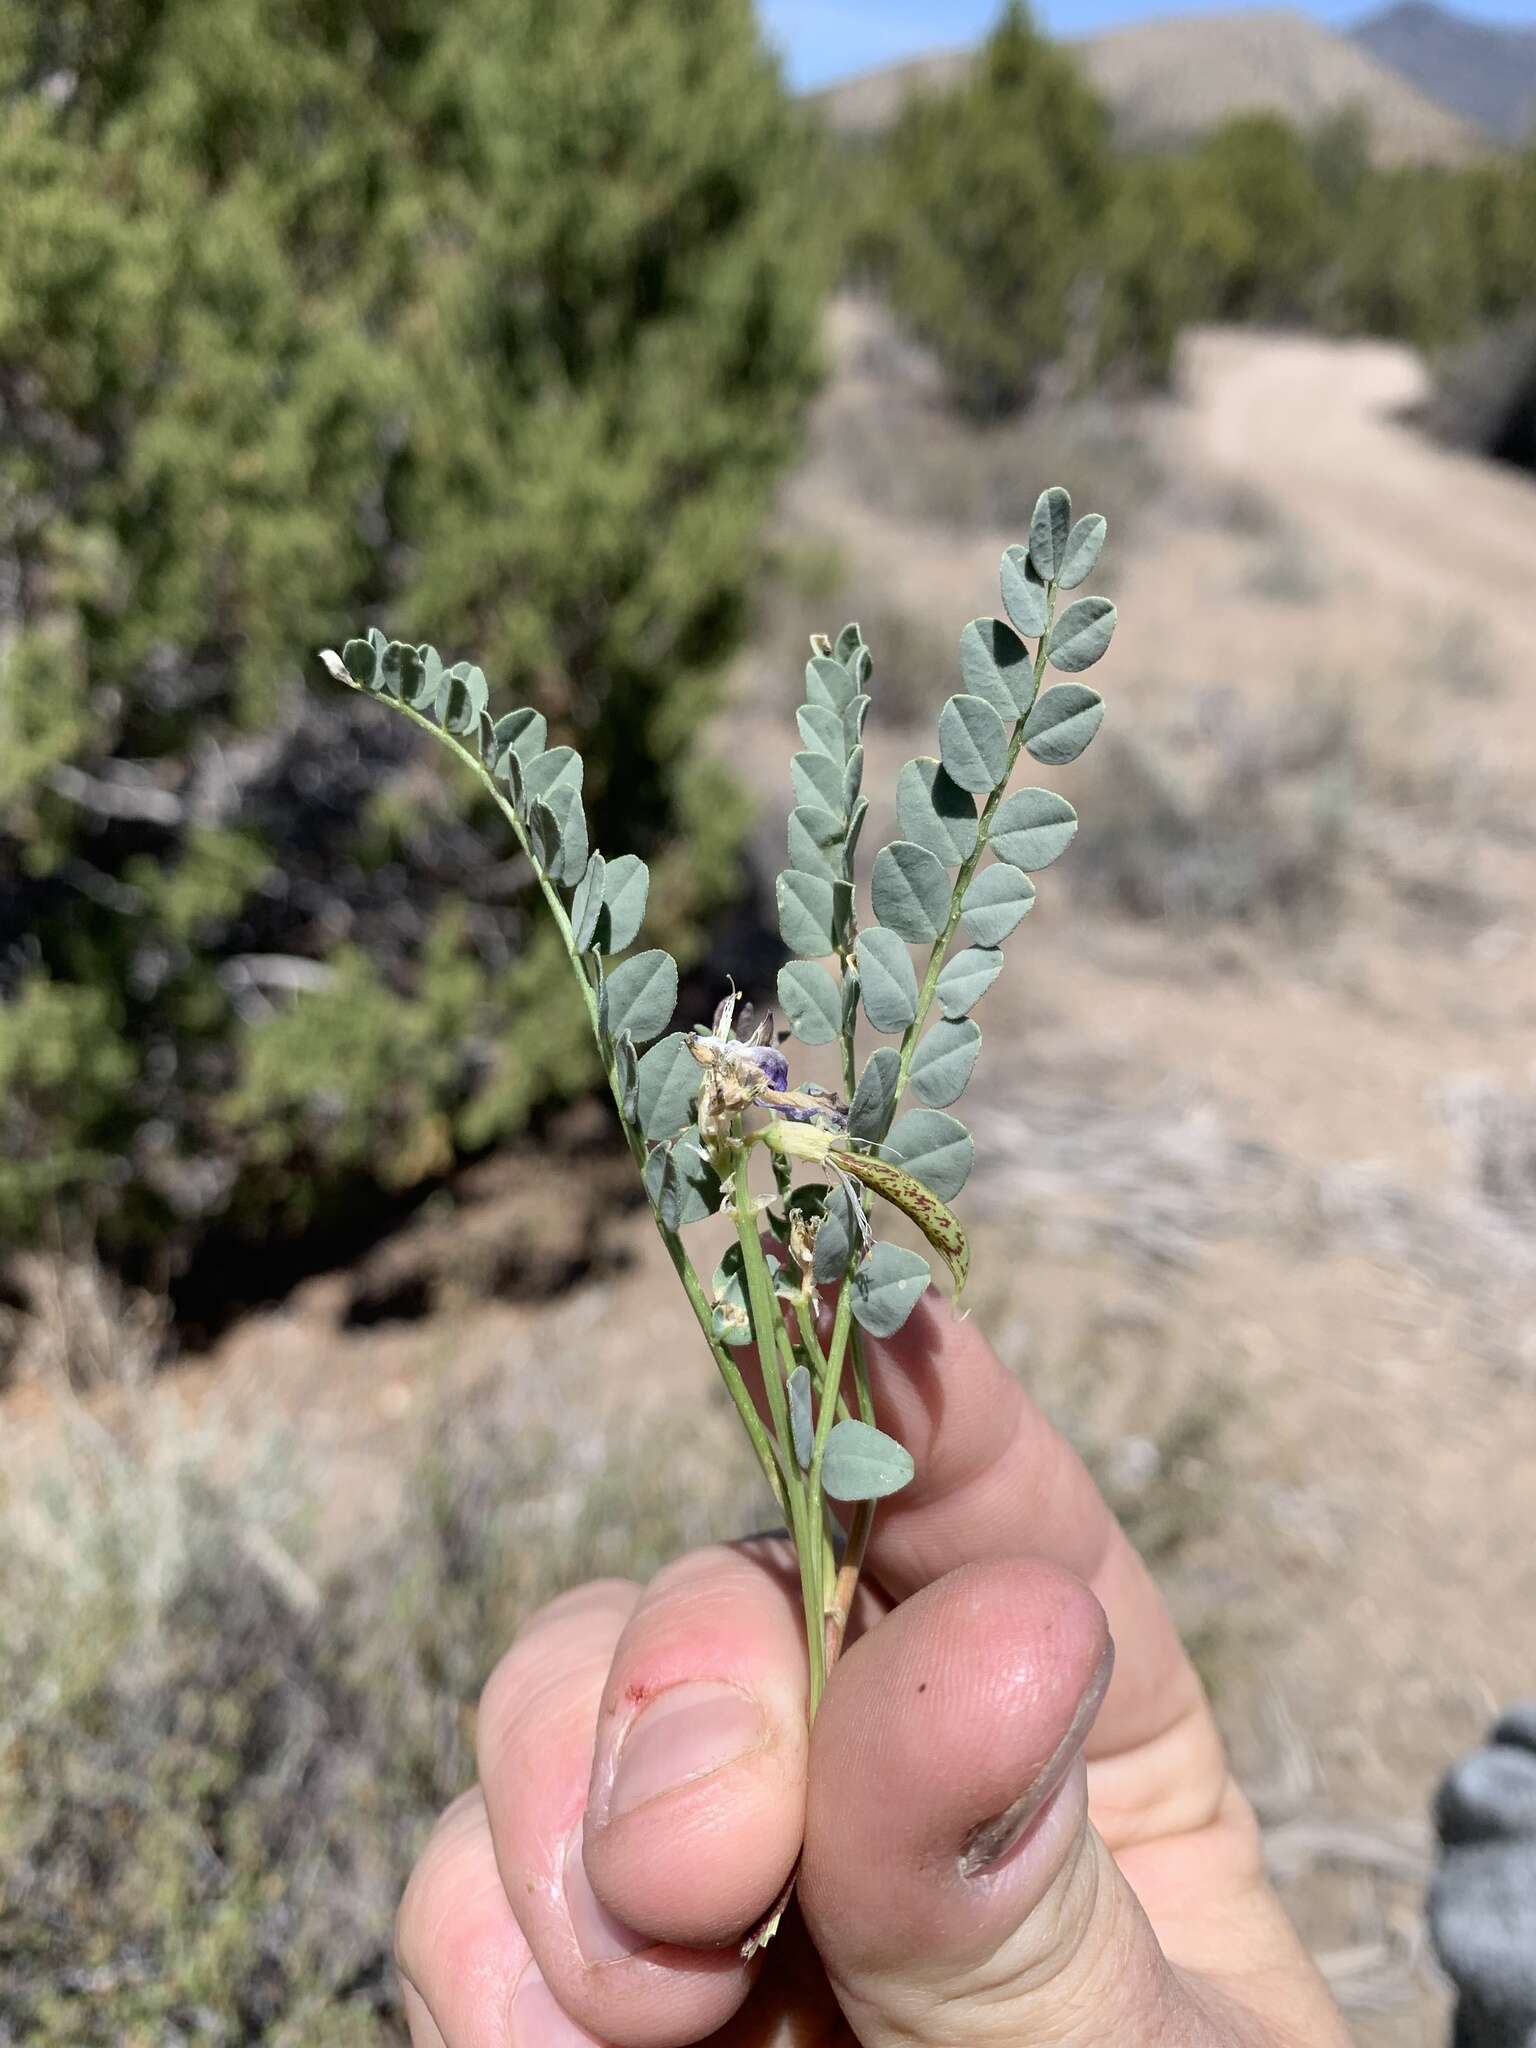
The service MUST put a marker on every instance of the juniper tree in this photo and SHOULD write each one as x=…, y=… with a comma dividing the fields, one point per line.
x=497, y=310
x=986, y=195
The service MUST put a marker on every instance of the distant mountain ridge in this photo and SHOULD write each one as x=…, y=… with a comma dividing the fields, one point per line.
x=1167, y=81
x=1170, y=79
x=1484, y=72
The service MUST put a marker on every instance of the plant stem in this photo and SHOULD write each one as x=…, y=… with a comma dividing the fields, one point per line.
x=772, y=1347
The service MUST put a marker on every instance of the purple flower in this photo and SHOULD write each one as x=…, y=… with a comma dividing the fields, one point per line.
x=768, y=1060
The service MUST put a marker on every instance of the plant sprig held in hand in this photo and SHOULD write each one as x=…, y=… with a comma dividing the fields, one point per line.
x=714, y=1116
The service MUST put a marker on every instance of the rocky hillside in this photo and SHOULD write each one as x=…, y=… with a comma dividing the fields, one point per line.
x=1169, y=80
x=1481, y=70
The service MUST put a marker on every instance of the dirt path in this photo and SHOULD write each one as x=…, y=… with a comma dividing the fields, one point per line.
x=1319, y=426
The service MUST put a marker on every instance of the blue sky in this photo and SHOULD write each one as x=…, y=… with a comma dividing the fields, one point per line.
x=826, y=39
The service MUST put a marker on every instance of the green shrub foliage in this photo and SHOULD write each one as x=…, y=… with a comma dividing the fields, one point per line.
x=500, y=312
x=1015, y=241
x=983, y=196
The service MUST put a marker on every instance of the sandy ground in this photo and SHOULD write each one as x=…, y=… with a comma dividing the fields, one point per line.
x=1262, y=1174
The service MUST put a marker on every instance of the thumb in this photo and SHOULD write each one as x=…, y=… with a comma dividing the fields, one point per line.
x=952, y=1882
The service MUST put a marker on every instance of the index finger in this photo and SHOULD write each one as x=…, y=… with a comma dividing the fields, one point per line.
x=995, y=1480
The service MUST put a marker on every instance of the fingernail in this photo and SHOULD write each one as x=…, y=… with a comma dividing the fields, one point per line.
x=599, y=1935
x=990, y=1840
x=538, y=2018
x=686, y=1732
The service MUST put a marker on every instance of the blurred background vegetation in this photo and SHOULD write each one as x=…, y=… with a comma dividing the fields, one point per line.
x=499, y=323
x=499, y=318
x=564, y=336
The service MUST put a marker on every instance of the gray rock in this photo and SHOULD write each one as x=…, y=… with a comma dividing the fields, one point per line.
x=1517, y=1728
x=1489, y=1796
x=1482, y=1904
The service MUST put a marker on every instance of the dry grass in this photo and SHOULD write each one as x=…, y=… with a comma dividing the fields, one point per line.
x=73, y=1324
x=1232, y=816
x=909, y=456
x=215, y=1766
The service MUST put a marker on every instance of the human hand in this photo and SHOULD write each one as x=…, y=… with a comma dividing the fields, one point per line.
x=1001, y=1841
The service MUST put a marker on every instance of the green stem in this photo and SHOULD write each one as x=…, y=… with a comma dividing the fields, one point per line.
x=866, y=1399
x=810, y=1342
x=775, y=1359
x=816, y=1358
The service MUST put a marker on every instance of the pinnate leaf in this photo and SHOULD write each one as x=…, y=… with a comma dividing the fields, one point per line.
x=973, y=744
x=568, y=862
x=862, y=1462
x=461, y=696
x=559, y=768
x=995, y=902
x=1048, y=531
x=626, y=885
x=887, y=1286
x=1080, y=636
x=667, y=1086
x=524, y=731
x=934, y=1148
x=641, y=994
x=853, y=779
x=400, y=666
x=816, y=841
x=1024, y=597
x=966, y=979
x=811, y=1000
x=627, y=1072
x=836, y=1238
x=1062, y=723
x=421, y=682
x=543, y=834
x=822, y=731
x=817, y=781
x=909, y=890
x=807, y=912
x=587, y=904
x=360, y=659
x=1032, y=828
x=943, y=1064
x=828, y=683
x=802, y=1433
x=508, y=771
x=934, y=811
x=995, y=666
x=856, y=819
x=873, y=1099
x=887, y=978
x=1081, y=556
x=681, y=1182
